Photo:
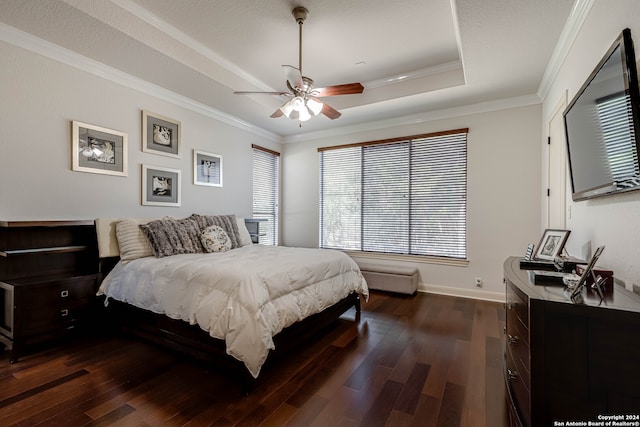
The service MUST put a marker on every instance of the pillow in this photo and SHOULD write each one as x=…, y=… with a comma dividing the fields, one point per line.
x=173, y=236
x=131, y=240
x=215, y=239
x=243, y=233
x=227, y=222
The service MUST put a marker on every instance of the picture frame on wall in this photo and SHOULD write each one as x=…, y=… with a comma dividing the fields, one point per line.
x=161, y=135
x=96, y=149
x=207, y=169
x=160, y=186
x=551, y=244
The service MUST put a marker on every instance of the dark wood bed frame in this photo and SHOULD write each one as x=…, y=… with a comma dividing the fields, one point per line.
x=198, y=344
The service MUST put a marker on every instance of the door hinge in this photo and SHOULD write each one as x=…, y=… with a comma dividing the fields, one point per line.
x=548, y=192
x=548, y=140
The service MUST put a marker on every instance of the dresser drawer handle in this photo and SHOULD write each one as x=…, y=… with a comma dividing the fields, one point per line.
x=513, y=339
x=64, y=294
x=512, y=375
x=64, y=312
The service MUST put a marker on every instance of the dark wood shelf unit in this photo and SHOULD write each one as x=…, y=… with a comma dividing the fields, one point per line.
x=48, y=280
x=566, y=361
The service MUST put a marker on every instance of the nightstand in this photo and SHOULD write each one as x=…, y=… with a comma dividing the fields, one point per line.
x=253, y=227
x=48, y=281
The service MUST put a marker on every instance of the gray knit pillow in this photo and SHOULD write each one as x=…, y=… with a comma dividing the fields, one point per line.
x=173, y=236
x=227, y=222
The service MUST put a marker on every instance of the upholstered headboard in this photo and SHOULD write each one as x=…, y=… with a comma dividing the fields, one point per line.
x=106, y=232
x=107, y=241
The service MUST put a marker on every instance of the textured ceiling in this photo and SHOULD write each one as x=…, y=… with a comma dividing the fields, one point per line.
x=412, y=56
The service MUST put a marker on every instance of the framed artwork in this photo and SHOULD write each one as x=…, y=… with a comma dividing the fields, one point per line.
x=207, y=169
x=160, y=135
x=551, y=244
x=98, y=150
x=160, y=186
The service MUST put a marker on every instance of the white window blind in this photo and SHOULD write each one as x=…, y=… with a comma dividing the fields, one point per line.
x=402, y=196
x=616, y=123
x=266, y=184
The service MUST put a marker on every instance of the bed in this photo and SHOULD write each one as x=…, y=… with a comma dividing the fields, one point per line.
x=241, y=301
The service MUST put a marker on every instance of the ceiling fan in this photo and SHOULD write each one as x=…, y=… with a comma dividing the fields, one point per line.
x=305, y=102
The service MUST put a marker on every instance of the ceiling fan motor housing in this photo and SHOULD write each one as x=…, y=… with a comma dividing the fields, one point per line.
x=300, y=14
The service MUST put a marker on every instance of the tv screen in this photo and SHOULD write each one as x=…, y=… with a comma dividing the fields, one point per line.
x=602, y=125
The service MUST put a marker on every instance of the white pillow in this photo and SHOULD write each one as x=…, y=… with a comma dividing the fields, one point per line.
x=245, y=237
x=215, y=239
x=131, y=240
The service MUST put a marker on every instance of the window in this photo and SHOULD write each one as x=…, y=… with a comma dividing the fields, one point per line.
x=266, y=183
x=401, y=196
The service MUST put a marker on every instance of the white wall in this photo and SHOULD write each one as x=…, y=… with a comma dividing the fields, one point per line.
x=40, y=97
x=503, y=188
x=612, y=221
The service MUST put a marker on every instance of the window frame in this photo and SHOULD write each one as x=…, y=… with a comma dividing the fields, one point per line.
x=270, y=229
x=460, y=253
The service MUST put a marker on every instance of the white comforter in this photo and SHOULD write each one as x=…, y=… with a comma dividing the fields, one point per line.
x=244, y=296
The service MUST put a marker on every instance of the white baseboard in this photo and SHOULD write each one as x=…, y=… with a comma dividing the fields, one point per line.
x=464, y=293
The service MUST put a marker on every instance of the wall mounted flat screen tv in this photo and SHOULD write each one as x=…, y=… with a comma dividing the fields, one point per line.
x=602, y=125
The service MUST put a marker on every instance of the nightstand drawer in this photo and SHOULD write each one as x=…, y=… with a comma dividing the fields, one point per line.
x=46, y=319
x=56, y=292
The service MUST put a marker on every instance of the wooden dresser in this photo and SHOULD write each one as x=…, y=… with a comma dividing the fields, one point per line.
x=565, y=361
x=48, y=280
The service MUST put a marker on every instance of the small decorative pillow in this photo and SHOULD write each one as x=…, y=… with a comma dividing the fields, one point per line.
x=227, y=222
x=215, y=239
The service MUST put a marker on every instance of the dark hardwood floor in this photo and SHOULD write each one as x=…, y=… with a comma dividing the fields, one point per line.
x=427, y=360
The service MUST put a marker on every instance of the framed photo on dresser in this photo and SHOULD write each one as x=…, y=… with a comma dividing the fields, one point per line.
x=551, y=244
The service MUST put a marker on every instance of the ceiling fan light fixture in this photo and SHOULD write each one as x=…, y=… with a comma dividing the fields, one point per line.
x=314, y=106
x=298, y=103
x=304, y=102
x=304, y=115
x=287, y=108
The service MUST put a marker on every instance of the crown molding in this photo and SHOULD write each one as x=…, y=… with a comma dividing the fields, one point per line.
x=188, y=41
x=569, y=33
x=57, y=53
x=465, y=110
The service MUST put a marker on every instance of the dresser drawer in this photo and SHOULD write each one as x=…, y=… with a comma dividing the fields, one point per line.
x=518, y=310
x=519, y=350
x=518, y=387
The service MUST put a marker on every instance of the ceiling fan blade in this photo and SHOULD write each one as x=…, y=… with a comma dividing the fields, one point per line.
x=260, y=93
x=330, y=112
x=294, y=77
x=345, y=89
x=277, y=113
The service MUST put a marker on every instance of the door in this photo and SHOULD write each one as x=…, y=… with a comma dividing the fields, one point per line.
x=557, y=170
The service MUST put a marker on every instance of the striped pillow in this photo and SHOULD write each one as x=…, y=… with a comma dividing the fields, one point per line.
x=131, y=241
